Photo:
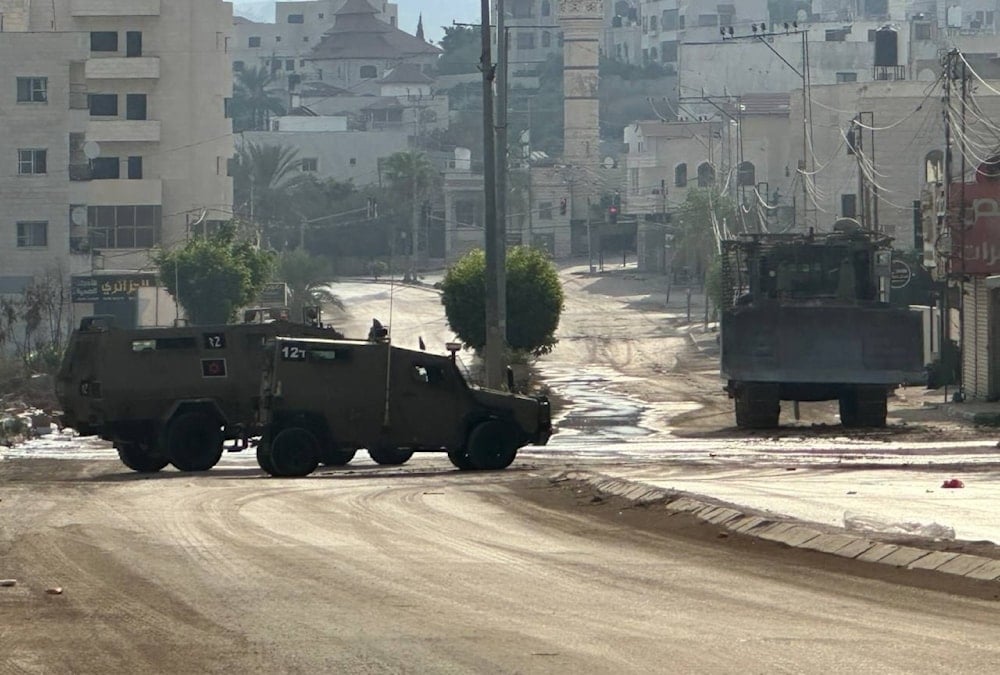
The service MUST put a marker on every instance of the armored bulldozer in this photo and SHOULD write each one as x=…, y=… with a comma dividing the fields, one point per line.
x=805, y=317
x=322, y=400
x=169, y=395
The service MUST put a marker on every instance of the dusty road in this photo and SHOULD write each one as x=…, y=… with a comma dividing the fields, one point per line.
x=423, y=568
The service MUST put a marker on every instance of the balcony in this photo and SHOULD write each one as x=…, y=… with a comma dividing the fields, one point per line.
x=115, y=8
x=125, y=192
x=124, y=131
x=124, y=68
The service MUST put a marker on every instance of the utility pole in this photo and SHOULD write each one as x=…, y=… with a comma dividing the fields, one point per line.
x=503, y=52
x=945, y=301
x=494, y=349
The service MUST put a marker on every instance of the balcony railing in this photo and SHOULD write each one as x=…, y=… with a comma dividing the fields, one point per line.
x=889, y=73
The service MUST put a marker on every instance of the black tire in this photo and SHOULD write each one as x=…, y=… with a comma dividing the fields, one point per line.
x=460, y=459
x=337, y=457
x=138, y=457
x=757, y=407
x=294, y=452
x=264, y=456
x=492, y=446
x=864, y=407
x=390, y=456
x=194, y=441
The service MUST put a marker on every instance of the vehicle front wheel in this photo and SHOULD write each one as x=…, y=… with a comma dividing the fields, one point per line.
x=294, y=452
x=138, y=457
x=194, y=442
x=492, y=446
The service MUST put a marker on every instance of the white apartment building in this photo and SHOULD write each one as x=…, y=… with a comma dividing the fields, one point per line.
x=128, y=144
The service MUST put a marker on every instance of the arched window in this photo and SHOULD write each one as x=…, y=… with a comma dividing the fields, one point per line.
x=546, y=39
x=706, y=175
x=747, y=174
x=934, y=166
x=681, y=175
x=546, y=8
x=369, y=72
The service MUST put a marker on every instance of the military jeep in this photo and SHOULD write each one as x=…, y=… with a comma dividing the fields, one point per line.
x=322, y=400
x=168, y=395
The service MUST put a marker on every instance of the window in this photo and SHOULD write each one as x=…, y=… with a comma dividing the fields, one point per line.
x=465, y=213
x=32, y=89
x=921, y=31
x=747, y=174
x=135, y=106
x=32, y=234
x=31, y=162
x=681, y=175
x=133, y=43
x=369, y=72
x=680, y=22
x=135, y=167
x=253, y=42
x=706, y=175
x=546, y=8
x=846, y=77
x=545, y=210
x=546, y=39
x=525, y=40
x=322, y=15
x=668, y=51
x=124, y=226
x=669, y=19
x=309, y=164
x=708, y=20
x=353, y=161
x=653, y=24
x=227, y=107
x=105, y=168
x=277, y=38
x=848, y=206
x=238, y=66
x=871, y=34
x=103, y=105
x=836, y=35
x=289, y=64
x=934, y=166
x=104, y=41
x=296, y=18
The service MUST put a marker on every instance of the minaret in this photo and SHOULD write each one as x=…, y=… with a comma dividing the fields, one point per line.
x=581, y=22
x=420, y=27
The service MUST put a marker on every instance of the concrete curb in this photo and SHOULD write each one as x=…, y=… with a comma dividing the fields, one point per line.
x=789, y=532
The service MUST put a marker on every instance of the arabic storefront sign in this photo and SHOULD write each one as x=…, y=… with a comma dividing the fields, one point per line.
x=113, y=287
x=274, y=294
x=977, y=246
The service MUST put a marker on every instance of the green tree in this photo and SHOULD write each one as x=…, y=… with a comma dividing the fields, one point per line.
x=699, y=222
x=254, y=100
x=265, y=179
x=534, y=300
x=307, y=277
x=462, y=51
x=412, y=179
x=213, y=277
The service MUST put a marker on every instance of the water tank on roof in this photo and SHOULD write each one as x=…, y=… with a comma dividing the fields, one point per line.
x=886, y=47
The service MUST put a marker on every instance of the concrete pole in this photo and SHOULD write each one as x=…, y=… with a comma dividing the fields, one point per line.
x=493, y=352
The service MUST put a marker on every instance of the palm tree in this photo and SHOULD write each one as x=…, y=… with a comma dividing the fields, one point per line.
x=264, y=181
x=307, y=277
x=413, y=178
x=254, y=101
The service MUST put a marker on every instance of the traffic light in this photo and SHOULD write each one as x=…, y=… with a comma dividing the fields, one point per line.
x=612, y=214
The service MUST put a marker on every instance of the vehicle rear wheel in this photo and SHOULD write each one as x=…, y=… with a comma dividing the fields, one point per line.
x=294, y=452
x=460, y=459
x=138, y=457
x=492, y=446
x=337, y=457
x=757, y=407
x=389, y=456
x=194, y=442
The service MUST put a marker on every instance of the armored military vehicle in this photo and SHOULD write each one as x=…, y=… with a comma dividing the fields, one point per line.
x=805, y=318
x=169, y=395
x=322, y=396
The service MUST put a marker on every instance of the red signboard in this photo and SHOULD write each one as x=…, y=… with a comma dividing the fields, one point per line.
x=976, y=242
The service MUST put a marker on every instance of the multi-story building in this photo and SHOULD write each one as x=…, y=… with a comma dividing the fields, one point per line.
x=149, y=157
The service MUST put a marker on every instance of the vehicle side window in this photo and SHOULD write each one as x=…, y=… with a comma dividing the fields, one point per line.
x=159, y=344
x=428, y=374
